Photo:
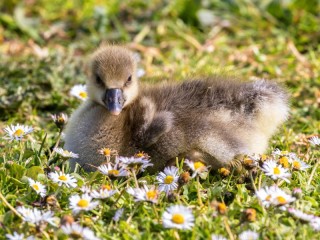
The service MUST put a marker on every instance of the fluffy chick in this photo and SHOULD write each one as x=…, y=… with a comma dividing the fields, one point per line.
x=212, y=120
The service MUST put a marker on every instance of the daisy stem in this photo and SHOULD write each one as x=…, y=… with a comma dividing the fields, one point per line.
x=56, y=145
x=252, y=181
x=226, y=224
x=58, y=191
x=313, y=172
x=40, y=150
x=230, y=178
x=198, y=192
x=133, y=212
x=135, y=178
x=125, y=182
x=21, y=151
x=260, y=180
x=4, y=200
x=178, y=195
x=155, y=212
x=45, y=234
x=176, y=234
x=121, y=193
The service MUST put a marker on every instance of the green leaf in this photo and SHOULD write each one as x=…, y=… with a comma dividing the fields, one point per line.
x=16, y=170
x=313, y=201
x=34, y=171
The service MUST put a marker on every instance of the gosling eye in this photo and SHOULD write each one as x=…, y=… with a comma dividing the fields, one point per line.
x=99, y=80
x=129, y=80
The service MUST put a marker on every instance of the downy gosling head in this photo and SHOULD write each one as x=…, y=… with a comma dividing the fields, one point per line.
x=113, y=82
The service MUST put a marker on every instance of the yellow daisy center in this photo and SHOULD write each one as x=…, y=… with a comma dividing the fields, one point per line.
x=198, y=165
x=248, y=161
x=83, y=203
x=113, y=172
x=19, y=132
x=36, y=187
x=296, y=165
x=222, y=208
x=66, y=152
x=264, y=157
x=284, y=161
x=276, y=171
x=108, y=187
x=83, y=94
x=106, y=151
x=168, y=179
x=139, y=154
x=177, y=218
x=152, y=194
x=62, y=178
x=60, y=119
x=281, y=200
x=224, y=171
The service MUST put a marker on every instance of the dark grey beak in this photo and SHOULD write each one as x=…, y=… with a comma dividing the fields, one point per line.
x=114, y=100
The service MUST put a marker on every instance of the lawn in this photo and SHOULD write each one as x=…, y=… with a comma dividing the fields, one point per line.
x=45, y=49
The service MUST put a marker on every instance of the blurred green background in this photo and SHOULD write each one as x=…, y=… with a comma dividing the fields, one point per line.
x=45, y=47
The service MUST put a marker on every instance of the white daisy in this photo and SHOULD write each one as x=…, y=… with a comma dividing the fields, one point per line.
x=251, y=161
x=65, y=153
x=15, y=236
x=79, y=91
x=62, y=178
x=248, y=235
x=118, y=214
x=17, y=132
x=300, y=215
x=198, y=168
x=265, y=196
x=102, y=193
x=38, y=187
x=113, y=171
x=144, y=194
x=178, y=216
x=217, y=237
x=105, y=151
x=274, y=196
x=49, y=218
x=275, y=171
x=60, y=119
x=30, y=215
x=168, y=179
x=35, y=216
x=134, y=162
x=86, y=189
x=297, y=164
x=315, y=141
x=280, y=197
x=76, y=231
x=278, y=152
x=83, y=203
x=315, y=224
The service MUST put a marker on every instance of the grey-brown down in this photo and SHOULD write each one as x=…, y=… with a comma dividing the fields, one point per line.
x=211, y=119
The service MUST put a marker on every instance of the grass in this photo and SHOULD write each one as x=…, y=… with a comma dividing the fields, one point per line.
x=45, y=50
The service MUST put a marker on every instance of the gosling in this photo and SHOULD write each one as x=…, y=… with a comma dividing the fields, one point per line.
x=211, y=120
